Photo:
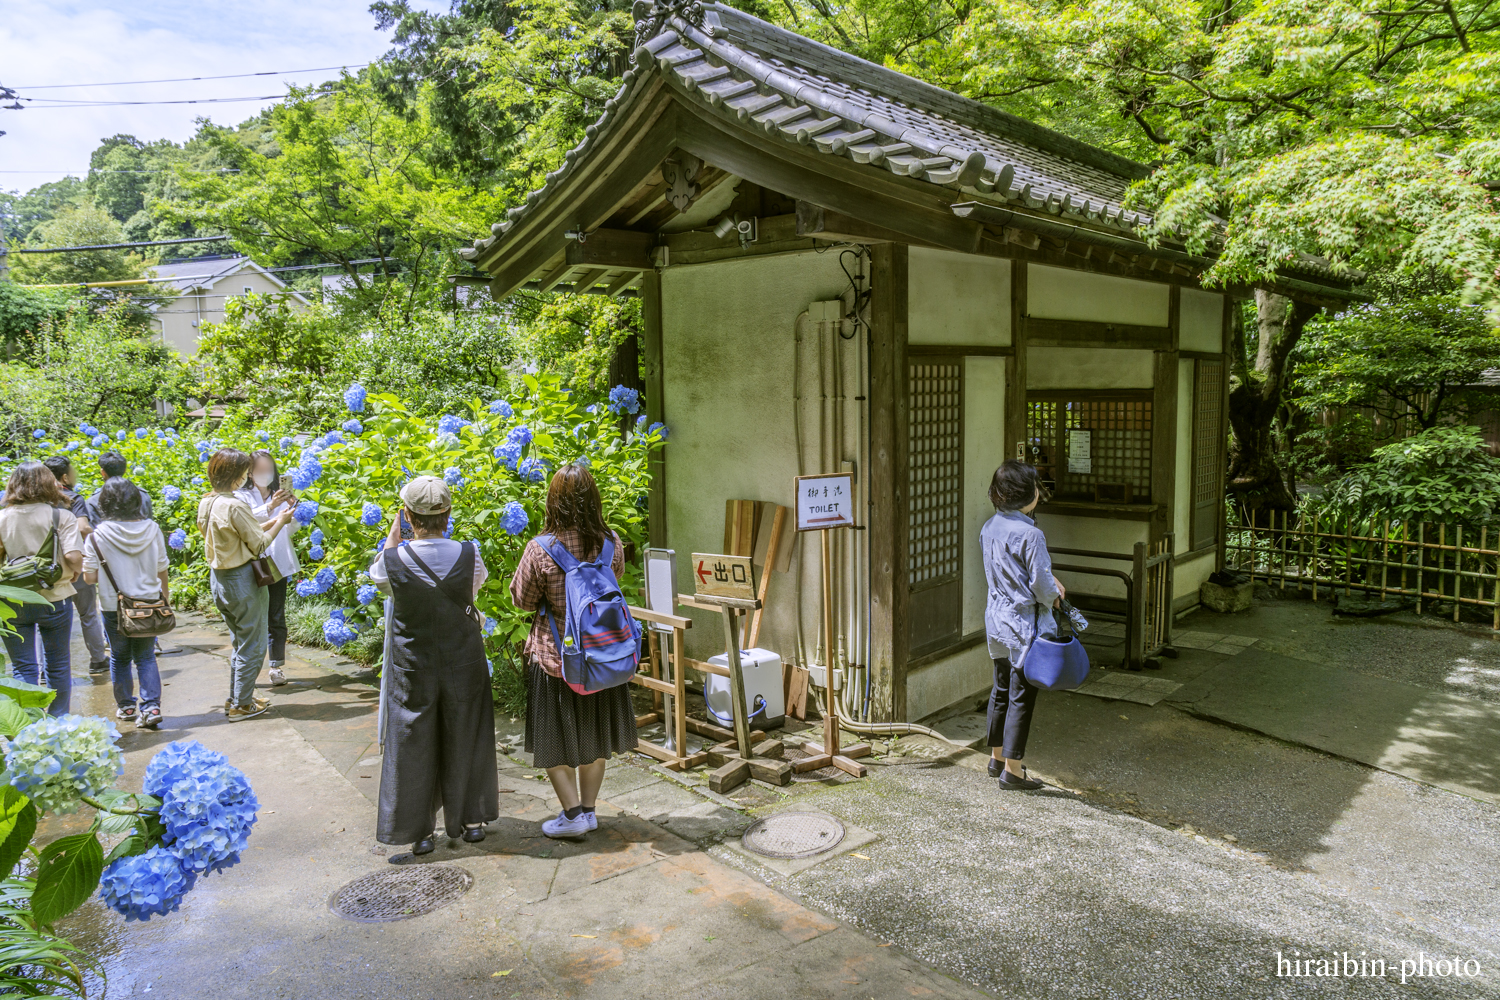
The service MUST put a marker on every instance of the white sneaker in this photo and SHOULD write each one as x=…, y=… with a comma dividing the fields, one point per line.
x=593, y=818
x=563, y=828
x=278, y=676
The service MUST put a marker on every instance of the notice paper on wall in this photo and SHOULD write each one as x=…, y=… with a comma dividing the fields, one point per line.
x=1080, y=461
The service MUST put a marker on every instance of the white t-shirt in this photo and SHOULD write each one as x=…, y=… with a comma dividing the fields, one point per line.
x=438, y=553
x=280, y=550
x=136, y=554
x=23, y=529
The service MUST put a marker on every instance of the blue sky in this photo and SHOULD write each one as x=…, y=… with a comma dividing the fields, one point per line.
x=61, y=42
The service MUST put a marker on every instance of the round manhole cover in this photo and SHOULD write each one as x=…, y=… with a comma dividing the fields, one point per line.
x=399, y=893
x=793, y=835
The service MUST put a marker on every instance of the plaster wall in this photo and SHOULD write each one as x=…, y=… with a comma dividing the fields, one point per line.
x=1060, y=293
x=957, y=298
x=1102, y=534
x=1201, y=321
x=984, y=450
x=728, y=386
x=962, y=676
x=1087, y=368
x=1190, y=573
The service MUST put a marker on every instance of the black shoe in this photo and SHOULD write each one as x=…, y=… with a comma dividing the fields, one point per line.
x=99, y=667
x=996, y=767
x=423, y=846
x=473, y=834
x=1010, y=782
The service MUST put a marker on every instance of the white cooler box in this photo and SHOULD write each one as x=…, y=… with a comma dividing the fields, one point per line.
x=765, y=702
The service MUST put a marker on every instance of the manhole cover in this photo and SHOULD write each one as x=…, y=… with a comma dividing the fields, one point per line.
x=399, y=893
x=793, y=835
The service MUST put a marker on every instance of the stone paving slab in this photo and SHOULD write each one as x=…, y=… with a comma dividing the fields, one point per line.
x=1122, y=685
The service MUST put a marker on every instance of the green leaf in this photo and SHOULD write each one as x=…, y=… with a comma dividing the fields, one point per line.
x=17, y=824
x=129, y=847
x=13, y=717
x=116, y=823
x=67, y=874
x=21, y=596
x=28, y=695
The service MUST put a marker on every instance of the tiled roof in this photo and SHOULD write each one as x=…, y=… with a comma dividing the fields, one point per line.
x=185, y=274
x=805, y=92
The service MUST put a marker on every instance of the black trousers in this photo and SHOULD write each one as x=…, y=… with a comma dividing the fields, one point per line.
x=1011, y=703
x=276, y=617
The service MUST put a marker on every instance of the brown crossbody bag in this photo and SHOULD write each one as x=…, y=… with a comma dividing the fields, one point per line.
x=136, y=618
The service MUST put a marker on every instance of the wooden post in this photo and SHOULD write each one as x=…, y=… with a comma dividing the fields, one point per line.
x=830, y=714
x=1136, y=654
x=887, y=514
x=655, y=403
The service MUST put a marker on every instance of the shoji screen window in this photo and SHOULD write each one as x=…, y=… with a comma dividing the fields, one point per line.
x=1092, y=446
x=935, y=501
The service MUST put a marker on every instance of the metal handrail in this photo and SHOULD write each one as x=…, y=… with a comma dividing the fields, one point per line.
x=1130, y=623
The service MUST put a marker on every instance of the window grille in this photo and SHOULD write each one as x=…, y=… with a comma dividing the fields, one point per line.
x=1120, y=442
x=1208, y=451
x=935, y=449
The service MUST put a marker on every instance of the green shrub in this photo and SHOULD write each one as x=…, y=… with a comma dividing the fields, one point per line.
x=1442, y=475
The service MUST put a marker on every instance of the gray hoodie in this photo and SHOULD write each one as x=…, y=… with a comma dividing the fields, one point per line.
x=135, y=552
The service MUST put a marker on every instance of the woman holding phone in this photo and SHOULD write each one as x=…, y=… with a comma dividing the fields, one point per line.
x=266, y=499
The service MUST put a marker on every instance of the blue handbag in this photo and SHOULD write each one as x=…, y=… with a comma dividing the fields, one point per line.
x=1058, y=663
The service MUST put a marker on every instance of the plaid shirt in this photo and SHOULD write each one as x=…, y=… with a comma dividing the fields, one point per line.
x=538, y=579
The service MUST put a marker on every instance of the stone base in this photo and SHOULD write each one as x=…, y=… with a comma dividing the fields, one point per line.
x=1227, y=600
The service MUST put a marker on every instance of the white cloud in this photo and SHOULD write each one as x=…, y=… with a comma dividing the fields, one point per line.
x=65, y=41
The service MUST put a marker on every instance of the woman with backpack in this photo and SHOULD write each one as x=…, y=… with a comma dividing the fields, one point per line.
x=571, y=735
x=439, y=714
x=127, y=556
x=42, y=550
x=233, y=540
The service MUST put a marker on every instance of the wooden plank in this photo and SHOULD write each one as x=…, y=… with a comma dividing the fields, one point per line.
x=550, y=280
x=647, y=615
x=656, y=462
x=731, y=775
x=857, y=751
x=648, y=718
x=796, y=698
x=849, y=766
x=617, y=286
x=772, y=772
x=702, y=728
x=889, y=586
x=811, y=763
x=1016, y=410
x=588, y=279
x=768, y=545
x=1163, y=442
x=713, y=602
x=721, y=753
x=609, y=248
x=704, y=666
x=819, y=223
x=661, y=753
x=1085, y=333
x=653, y=684
x=744, y=544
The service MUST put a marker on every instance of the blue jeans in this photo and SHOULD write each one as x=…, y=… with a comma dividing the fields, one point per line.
x=123, y=651
x=55, y=622
x=244, y=606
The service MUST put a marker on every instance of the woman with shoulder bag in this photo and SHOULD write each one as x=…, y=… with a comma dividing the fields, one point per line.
x=439, y=712
x=126, y=557
x=569, y=734
x=261, y=493
x=235, y=544
x=33, y=531
x=1022, y=593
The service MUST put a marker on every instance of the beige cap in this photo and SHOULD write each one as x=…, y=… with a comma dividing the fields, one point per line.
x=427, y=495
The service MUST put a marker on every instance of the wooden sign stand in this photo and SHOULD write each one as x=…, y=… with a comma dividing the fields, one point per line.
x=843, y=759
x=677, y=759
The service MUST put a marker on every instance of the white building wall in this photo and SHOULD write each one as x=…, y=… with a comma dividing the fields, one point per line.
x=1059, y=293
x=957, y=298
x=1201, y=321
x=1087, y=368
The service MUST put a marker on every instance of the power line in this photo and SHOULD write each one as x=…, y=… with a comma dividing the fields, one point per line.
x=111, y=170
x=118, y=104
x=121, y=246
x=189, y=79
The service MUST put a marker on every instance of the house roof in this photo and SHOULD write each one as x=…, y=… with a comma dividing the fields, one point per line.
x=185, y=275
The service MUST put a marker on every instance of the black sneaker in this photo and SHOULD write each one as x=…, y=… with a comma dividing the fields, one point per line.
x=1009, y=782
x=99, y=667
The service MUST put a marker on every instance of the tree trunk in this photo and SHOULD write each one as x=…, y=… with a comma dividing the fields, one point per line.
x=1255, y=475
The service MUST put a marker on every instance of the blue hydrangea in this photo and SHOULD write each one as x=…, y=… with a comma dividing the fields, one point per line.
x=338, y=613
x=285, y=443
x=449, y=424
x=73, y=446
x=38, y=433
x=325, y=579
x=501, y=408
x=140, y=433
x=316, y=553
x=161, y=434
x=514, y=518
x=454, y=476
x=301, y=478
x=204, y=446
x=367, y=593
x=591, y=408
x=371, y=514
x=145, y=885
x=623, y=400
x=354, y=397
x=306, y=511
x=508, y=454
x=87, y=429
x=262, y=436
x=307, y=588
x=99, y=441
x=198, y=480
x=119, y=435
x=333, y=437
x=207, y=807
x=448, y=531
x=354, y=427
x=640, y=421
x=311, y=466
x=56, y=759
x=532, y=470
x=317, y=536
x=658, y=428
x=519, y=435
x=337, y=632
x=490, y=625
x=203, y=456
x=177, y=539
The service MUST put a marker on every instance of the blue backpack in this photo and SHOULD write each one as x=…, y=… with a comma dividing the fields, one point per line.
x=600, y=644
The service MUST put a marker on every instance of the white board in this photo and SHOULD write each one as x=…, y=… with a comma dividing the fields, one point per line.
x=825, y=501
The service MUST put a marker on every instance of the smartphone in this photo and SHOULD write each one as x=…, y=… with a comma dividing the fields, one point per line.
x=406, y=532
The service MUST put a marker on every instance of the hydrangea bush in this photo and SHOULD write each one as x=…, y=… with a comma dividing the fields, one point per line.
x=193, y=817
